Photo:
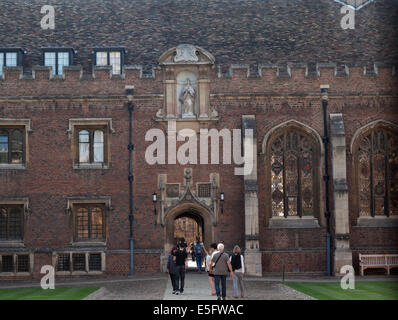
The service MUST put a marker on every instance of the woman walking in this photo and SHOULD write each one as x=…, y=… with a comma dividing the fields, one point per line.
x=238, y=267
x=172, y=270
x=210, y=273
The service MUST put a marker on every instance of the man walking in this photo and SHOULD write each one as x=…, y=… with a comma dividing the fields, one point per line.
x=181, y=259
x=172, y=269
x=221, y=265
x=198, y=247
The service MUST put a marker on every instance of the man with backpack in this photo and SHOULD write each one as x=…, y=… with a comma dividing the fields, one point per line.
x=220, y=265
x=198, y=250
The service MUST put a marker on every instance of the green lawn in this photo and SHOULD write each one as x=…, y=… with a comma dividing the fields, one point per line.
x=377, y=290
x=76, y=293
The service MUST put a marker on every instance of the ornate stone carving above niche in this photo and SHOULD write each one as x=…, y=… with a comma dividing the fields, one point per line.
x=186, y=82
x=200, y=194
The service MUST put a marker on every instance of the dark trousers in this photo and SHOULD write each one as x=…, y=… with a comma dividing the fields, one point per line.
x=199, y=262
x=173, y=278
x=223, y=280
x=180, y=277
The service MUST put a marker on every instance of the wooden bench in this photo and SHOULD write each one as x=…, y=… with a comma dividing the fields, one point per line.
x=385, y=261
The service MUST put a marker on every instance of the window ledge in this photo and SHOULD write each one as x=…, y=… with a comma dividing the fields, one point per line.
x=11, y=244
x=15, y=274
x=378, y=222
x=78, y=273
x=88, y=244
x=12, y=166
x=90, y=167
x=293, y=222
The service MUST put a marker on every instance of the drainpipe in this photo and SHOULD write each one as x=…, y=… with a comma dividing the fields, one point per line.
x=325, y=139
x=130, y=107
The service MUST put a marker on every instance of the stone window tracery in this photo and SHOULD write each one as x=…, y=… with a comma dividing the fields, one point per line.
x=377, y=169
x=292, y=161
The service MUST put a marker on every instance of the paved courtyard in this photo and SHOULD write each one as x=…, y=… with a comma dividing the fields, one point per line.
x=196, y=288
x=158, y=287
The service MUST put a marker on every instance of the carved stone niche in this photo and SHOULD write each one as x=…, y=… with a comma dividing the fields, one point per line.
x=186, y=70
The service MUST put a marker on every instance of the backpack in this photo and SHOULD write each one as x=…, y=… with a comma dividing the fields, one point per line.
x=236, y=262
x=198, y=248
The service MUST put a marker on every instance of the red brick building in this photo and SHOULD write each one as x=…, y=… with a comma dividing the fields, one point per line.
x=260, y=65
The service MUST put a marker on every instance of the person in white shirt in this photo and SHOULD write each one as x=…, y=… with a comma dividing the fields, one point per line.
x=238, y=267
x=209, y=256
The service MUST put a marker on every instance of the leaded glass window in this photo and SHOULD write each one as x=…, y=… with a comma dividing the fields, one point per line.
x=110, y=58
x=377, y=160
x=11, y=222
x=292, y=174
x=98, y=146
x=84, y=146
x=95, y=262
x=11, y=146
x=23, y=263
x=90, y=222
x=115, y=62
x=204, y=190
x=91, y=146
x=63, y=262
x=9, y=59
x=102, y=58
x=79, y=261
x=57, y=60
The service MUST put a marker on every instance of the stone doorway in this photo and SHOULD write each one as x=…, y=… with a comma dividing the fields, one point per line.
x=200, y=220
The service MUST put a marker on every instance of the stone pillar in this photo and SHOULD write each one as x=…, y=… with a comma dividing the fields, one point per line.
x=204, y=89
x=171, y=103
x=252, y=252
x=343, y=253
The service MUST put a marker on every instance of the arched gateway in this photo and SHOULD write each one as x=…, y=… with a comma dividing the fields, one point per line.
x=187, y=202
x=195, y=211
x=204, y=219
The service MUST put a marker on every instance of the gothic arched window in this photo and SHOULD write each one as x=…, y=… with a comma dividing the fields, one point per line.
x=377, y=163
x=293, y=156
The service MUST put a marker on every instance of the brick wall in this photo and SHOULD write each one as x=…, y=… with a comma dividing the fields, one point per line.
x=50, y=178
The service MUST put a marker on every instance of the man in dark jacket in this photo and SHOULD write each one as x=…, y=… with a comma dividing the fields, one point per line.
x=172, y=270
x=181, y=260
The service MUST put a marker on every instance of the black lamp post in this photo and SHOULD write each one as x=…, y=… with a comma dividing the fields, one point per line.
x=222, y=202
x=154, y=200
x=130, y=147
x=324, y=93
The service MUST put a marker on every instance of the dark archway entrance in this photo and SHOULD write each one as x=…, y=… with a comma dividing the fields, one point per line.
x=193, y=210
x=188, y=226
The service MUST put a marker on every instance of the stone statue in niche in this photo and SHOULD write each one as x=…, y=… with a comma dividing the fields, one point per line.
x=187, y=99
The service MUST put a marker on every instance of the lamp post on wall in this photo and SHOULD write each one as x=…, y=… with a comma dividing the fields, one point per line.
x=325, y=139
x=154, y=200
x=222, y=198
x=130, y=147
